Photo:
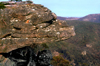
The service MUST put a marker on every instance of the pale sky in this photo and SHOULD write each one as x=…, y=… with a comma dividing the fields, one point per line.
x=70, y=8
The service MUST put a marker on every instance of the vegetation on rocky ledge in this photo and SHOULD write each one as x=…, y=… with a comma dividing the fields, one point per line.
x=60, y=61
x=2, y=6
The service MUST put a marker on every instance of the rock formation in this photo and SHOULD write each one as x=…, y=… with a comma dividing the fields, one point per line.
x=24, y=25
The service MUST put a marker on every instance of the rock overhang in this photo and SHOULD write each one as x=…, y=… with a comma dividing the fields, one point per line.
x=25, y=25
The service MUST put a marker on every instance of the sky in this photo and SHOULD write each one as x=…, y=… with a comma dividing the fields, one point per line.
x=70, y=8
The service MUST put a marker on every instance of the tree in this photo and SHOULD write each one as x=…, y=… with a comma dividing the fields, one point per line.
x=16, y=0
x=29, y=1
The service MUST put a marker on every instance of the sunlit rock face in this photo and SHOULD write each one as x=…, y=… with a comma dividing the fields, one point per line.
x=24, y=25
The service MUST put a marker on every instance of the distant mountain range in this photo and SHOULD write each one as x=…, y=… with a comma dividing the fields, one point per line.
x=68, y=18
x=89, y=18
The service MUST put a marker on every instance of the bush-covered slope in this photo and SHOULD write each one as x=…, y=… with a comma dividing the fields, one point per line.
x=84, y=48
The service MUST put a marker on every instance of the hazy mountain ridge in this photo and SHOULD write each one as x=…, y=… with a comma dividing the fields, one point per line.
x=91, y=18
x=67, y=18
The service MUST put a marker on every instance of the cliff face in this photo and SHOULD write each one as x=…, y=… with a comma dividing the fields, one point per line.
x=25, y=25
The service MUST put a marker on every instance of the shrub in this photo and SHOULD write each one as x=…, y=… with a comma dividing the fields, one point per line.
x=2, y=6
x=44, y=45
x=60, y=61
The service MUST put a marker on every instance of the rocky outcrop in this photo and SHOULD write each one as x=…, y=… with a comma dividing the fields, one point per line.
x=24, y=25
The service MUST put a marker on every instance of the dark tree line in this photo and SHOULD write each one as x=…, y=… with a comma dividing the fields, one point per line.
x=15, y=0
x=19, y=0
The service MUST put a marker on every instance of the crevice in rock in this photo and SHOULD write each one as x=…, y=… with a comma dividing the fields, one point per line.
x=6, y=35
x=17, y=28
x=14, y=37
x=50, y=22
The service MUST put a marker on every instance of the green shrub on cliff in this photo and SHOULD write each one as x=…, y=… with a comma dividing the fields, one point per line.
x=2, y=6
x=60, y=61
